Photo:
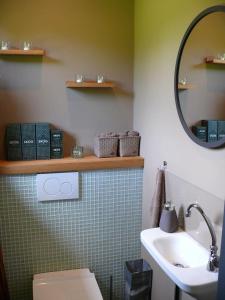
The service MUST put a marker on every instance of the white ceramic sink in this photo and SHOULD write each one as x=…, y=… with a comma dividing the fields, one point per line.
x=183, y=259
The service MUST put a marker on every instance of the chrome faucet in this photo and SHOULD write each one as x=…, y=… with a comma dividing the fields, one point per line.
x=213, y=263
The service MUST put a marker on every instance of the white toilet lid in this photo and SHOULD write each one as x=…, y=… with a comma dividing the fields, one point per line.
x=63, y=287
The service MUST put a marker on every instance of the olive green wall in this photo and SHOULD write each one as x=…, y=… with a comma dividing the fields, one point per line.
x=159, y=28
x=158, y=32
x=87, y=37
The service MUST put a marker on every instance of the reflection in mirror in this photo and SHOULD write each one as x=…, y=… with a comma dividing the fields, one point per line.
x=201, y=81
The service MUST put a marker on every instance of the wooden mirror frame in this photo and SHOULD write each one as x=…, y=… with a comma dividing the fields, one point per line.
x=204, y=13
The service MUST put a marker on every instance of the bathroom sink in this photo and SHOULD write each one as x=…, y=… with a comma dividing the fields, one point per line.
x=183, y=259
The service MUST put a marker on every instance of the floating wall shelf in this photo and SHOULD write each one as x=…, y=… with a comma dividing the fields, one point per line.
x=213, y=60
x=69, y=164
x=36, y=52
x=89, y=84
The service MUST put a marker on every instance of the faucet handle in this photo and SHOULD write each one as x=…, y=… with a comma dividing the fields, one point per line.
x=213, y=249
x=213, y=263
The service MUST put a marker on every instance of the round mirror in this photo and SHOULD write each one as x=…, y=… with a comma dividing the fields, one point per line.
x=200, y=78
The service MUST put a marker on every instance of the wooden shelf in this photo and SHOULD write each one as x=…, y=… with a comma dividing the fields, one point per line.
x=213, y=60
x=184, y=86
x=36, y=52
x=89, y=84
x=69, y=164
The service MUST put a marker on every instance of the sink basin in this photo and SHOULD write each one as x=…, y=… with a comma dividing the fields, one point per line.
x=181, y=250
x=183, y=259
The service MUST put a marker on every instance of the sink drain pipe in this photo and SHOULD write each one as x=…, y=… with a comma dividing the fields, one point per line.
x=177, y=293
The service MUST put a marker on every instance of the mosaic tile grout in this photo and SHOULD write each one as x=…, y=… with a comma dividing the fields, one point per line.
x=99, y=231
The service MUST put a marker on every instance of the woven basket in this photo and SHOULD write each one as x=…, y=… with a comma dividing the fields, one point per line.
x=106, y=146
x=129, y=145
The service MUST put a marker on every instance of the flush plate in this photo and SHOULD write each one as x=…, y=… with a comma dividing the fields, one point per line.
x=57, y=186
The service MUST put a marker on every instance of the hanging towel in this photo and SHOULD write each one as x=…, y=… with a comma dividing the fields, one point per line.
x=159, y=198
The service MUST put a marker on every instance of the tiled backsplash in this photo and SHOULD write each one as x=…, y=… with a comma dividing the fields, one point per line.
x=99, y=231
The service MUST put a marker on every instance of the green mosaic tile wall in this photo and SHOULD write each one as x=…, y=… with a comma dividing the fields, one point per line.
x=99, y=231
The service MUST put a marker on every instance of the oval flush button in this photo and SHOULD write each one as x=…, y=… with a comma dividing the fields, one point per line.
x=66, y=188
x=51, y=186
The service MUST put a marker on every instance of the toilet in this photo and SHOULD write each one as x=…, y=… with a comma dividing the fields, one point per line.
x=79, y=284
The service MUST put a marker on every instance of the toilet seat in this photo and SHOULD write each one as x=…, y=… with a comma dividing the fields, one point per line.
x=77, y=284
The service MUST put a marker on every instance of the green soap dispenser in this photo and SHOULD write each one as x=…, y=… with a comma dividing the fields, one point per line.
x=168, y=220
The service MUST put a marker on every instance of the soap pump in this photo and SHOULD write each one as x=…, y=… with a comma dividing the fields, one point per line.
x=168, y=220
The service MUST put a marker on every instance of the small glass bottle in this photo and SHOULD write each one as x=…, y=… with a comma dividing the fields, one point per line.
x=100, y=78
x=79, y=78
x=5, y=45
x=77, y=152
x=27, y=45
